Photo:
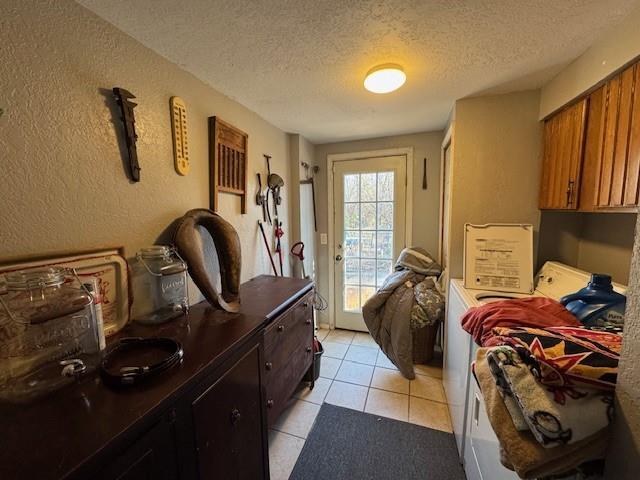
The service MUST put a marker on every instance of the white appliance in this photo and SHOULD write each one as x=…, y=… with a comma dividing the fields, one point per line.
x=477, y=444
x=499, y=257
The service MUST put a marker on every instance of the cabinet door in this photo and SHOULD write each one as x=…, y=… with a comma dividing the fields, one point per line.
x=563, y=146
x=227, y=420
x=617, y=184
x=150, y=457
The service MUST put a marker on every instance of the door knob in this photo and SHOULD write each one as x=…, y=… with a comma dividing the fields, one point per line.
x=338, y=258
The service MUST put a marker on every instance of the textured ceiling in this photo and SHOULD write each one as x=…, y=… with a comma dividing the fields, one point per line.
x=300, y=64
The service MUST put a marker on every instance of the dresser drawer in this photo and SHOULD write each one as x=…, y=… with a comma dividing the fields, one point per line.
x=288, y=355
x=283, y=381
x=286, y=332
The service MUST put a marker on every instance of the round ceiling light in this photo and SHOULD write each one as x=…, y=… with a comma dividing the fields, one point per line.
x=385, y=78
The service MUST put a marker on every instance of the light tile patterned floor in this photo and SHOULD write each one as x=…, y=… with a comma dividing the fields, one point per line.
x=356, y=374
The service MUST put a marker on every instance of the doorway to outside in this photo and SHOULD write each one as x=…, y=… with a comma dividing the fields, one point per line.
x=369, y=197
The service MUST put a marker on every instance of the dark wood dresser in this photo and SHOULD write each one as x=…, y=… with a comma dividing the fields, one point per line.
x=204, y=419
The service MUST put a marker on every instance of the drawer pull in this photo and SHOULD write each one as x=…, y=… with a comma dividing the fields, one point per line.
x=308, y=349
x=308, y=321
x=281, y=328
x=268, y=365
x=235, y=416
x=270, y=403
x=305, y=305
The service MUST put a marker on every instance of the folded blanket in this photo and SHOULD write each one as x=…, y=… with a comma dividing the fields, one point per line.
x=523, y=312
x=523, y=453
x=555, y=416
x=566, y=356
x=418, y=260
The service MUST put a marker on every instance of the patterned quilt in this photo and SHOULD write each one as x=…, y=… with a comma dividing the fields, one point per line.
x=567, y=356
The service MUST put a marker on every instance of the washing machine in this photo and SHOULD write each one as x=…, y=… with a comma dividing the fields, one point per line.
x=477, y=444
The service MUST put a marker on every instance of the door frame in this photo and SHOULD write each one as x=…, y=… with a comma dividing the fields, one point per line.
x=447, y=143
x=332, y=158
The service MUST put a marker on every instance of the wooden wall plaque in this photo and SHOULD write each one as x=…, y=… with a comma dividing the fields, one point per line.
x=228, y=162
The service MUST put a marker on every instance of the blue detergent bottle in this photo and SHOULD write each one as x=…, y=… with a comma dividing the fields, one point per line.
x=597, y=305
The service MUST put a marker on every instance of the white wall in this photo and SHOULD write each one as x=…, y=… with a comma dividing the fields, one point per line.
x=619, y=46
x=495, y=171
x=426, y=203
x=63, y=185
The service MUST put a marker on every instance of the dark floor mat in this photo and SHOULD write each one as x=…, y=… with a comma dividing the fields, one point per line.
x=346, y=444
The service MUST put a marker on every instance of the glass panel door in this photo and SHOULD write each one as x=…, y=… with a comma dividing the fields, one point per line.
x=369, y=199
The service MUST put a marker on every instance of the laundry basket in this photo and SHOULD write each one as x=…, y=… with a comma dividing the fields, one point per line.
x=424, y=341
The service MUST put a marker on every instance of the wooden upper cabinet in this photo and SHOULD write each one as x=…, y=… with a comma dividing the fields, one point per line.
x=617, y=170
x=564, y=135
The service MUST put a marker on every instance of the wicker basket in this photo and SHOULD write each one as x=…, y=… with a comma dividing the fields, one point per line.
x=424, y=340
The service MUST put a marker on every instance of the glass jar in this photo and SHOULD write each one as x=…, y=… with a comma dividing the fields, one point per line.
x=159, y=278
x=48, y=333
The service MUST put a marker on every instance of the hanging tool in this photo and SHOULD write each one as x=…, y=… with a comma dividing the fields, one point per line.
x=123, y=98
x=298, y=251
x=279, y=233
x=424, y=174
x=266, y=244
x=275, y=183
x=261, y=199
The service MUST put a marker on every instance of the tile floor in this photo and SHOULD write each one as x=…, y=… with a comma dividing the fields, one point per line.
x=356, y=374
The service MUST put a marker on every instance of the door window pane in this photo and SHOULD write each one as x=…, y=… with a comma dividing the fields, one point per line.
x=352, y=216
x=385, y=186
x=368, y=187
x=351, y=244
x=385, y=216
x=352, y=271
x=351, y=298
x=368, y=215
x=366, y=293
x=368, y=272
x=385, y=245
x=382, y=271
x=368, y=244
x=351, y=188
x=368, y=235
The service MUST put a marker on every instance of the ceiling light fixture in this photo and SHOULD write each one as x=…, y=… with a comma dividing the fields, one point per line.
x=385, y=78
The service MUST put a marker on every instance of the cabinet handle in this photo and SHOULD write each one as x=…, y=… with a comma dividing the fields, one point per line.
x=235, y=416
x=476, y=409
x=570, y=193
x=281, y=328
x=308, y=321
x=309, y=349
x=268, y=365
x=270, y=403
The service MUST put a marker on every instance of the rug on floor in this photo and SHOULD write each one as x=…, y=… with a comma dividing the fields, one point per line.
x=347, y=444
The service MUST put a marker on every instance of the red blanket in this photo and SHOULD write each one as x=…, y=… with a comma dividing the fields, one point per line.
x=535, y=312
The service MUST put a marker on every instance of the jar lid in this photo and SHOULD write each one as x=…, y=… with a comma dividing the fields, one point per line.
x=155, y=251
x=28, y=279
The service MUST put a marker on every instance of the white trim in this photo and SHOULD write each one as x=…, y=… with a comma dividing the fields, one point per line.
x=332, y=158
x=446, y=142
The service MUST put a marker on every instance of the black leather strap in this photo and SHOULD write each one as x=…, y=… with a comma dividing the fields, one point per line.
x=132, y=375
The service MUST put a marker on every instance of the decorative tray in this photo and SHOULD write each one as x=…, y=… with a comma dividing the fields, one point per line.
x=107, y=265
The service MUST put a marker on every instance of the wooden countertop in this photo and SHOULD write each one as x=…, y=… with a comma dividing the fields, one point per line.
x=55, y=436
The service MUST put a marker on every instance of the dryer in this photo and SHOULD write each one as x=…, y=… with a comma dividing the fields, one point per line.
x=477, y=444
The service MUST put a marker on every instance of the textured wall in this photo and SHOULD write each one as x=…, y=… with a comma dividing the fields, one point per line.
x=63, y=185
x=426, y=203
x=617, y=47
x=623, y=460
x=496, y=165
x=594, y=242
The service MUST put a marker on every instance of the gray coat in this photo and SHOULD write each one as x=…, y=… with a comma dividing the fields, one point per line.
x=387, y=316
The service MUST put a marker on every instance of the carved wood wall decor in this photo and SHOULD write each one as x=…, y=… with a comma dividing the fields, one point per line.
x=228, y=162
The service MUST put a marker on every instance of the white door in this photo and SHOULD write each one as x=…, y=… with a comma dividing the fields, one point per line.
x=369, y=225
